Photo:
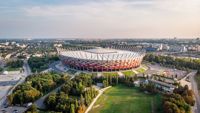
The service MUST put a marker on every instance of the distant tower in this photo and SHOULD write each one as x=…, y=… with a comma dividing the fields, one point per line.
x=175, y=38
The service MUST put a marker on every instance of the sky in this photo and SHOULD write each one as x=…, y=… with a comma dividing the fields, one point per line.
x=99, y=19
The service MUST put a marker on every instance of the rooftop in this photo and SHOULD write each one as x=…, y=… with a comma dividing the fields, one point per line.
x=101, y=51
x=101, y=54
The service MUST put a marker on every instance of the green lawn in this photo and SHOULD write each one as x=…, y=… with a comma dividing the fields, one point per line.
x=122, y=99
x=12, y=69
x=110, y=74
x=140, y=70
x=144, y=66
x=128, y=73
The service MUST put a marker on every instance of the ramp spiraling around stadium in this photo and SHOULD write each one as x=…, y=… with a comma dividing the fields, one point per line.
x=101, y=59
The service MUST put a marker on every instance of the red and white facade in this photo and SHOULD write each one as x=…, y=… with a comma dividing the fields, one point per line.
x=98, y=60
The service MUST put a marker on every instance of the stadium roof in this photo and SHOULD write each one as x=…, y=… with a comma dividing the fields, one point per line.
x=101, y=54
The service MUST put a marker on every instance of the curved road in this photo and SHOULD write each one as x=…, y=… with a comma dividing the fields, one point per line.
x=196, y=108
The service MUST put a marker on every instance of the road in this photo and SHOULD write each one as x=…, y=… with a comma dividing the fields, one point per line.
x=27, y=70
x=191, y=75
x=196, y=108
x=40, y=102
x=11, y=109
x=53, y=66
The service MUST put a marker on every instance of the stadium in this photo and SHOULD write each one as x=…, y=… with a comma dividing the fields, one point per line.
x=101, y=59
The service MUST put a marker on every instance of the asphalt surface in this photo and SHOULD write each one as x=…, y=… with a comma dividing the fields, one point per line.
x=13, y=109
x=27, y=72
x=53, y=66
x=196, y=108
x=40, y=102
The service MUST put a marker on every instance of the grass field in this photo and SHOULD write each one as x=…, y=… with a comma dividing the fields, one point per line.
x=12, y=69
x=122, y=99
x=140, y=70
x=128, y=73
x=110, y=74
x=144, y=66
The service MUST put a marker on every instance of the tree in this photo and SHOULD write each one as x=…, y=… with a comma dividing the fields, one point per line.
x=170, y=107
x=1, y=69
x=76, y=104
x=117, y=80
x=174, y=103
x=72, y=108
x=105, y=83
x=81, y=100
x=34, y=87
x=32, y=109
x=81, y=108
x=189, y=100
x=10, y=99
x=51, y=100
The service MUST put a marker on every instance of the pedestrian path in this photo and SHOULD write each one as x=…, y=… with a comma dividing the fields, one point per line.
x=95, y=99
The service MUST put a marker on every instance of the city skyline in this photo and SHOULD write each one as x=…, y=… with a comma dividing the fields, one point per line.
x=99, y=19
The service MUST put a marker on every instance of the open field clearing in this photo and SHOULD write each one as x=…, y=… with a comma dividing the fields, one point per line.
x=122, y=99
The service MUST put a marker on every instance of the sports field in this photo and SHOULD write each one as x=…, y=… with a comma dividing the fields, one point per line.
x=122, y=99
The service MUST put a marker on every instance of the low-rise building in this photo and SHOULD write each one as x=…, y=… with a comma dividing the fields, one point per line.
x=162, y=85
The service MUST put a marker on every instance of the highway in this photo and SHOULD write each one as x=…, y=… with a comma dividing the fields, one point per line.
x=196, y=108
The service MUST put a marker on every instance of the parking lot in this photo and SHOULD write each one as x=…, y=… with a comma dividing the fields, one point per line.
x=13, y=109
x=168, y=71
x=7, y=82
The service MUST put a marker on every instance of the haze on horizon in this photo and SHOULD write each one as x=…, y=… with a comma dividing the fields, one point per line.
x=99, y=18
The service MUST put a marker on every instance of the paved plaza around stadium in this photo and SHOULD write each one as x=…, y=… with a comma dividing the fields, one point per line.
x=143, y=69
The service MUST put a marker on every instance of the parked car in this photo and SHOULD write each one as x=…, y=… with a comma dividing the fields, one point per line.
x=15, y=111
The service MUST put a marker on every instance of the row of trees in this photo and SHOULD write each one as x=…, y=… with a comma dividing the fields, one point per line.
x=180, y=101
x=179, y=63
x=114, y=80
x=35, y=86
x=14, y=63
x=186, y=93
x=150, y=87
x=74, y=95
x=38, y=64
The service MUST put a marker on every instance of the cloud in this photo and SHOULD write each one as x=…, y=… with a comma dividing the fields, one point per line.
x=91, y=8
x=104, y=18
x=118, y=9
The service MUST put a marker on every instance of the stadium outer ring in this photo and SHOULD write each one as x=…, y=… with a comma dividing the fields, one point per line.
x=102, y=65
